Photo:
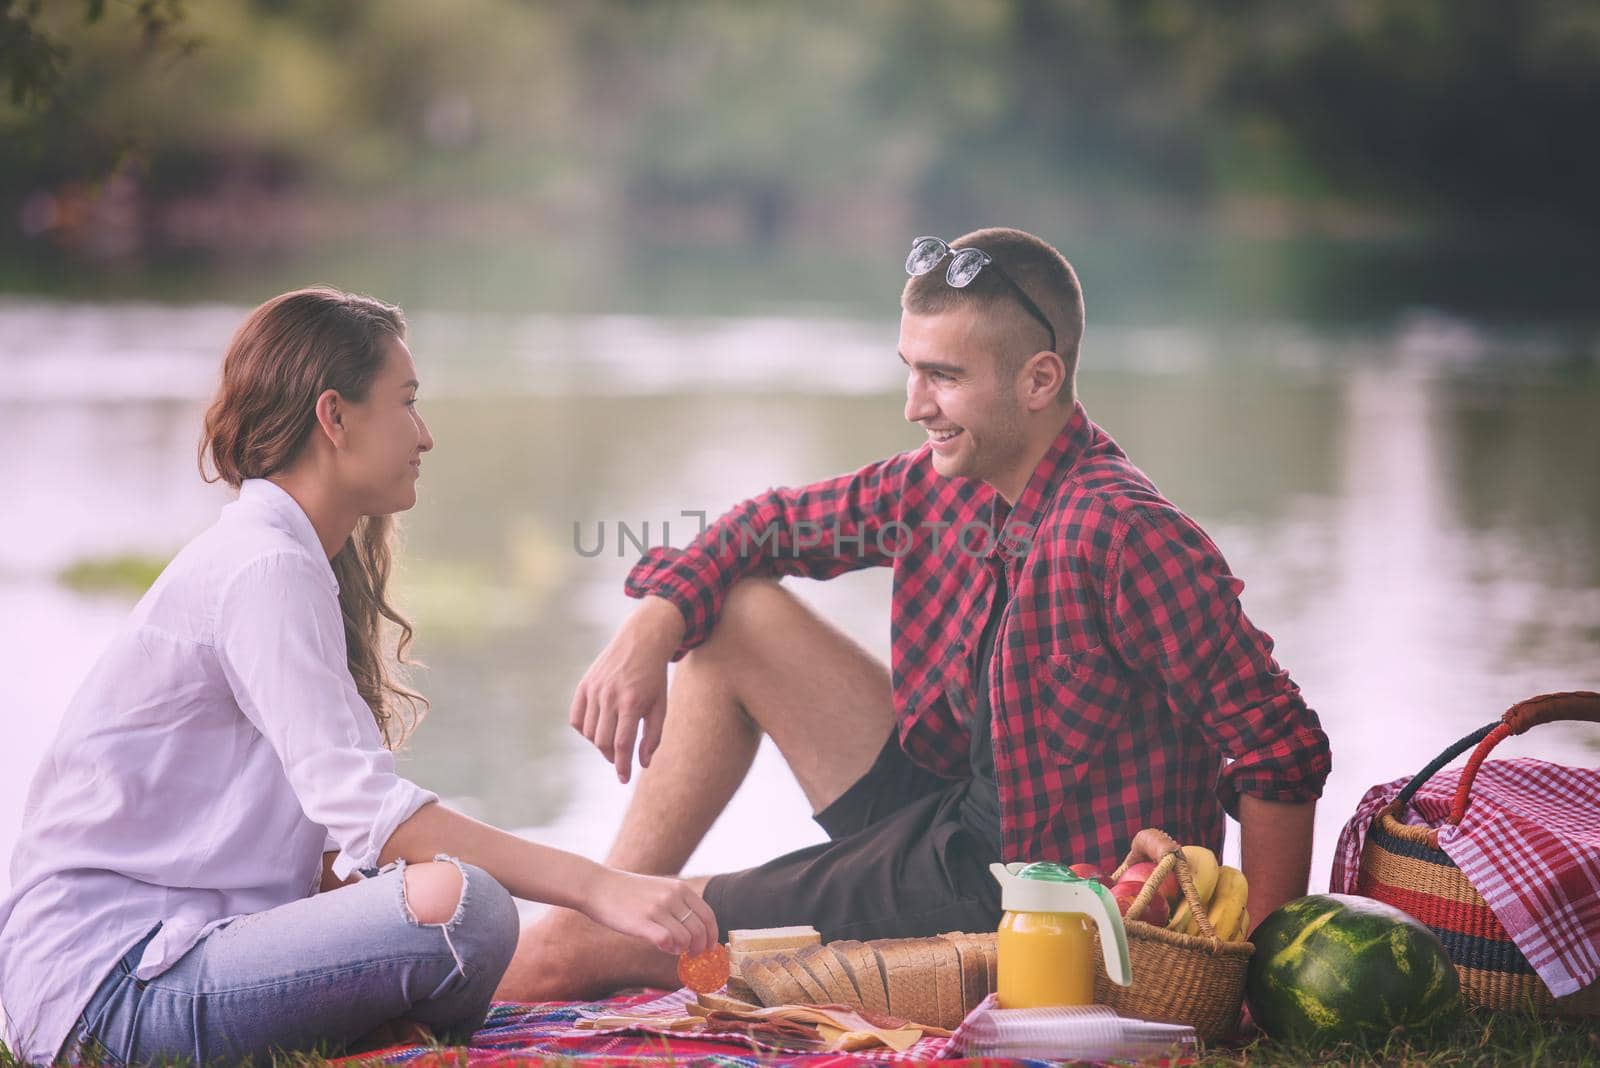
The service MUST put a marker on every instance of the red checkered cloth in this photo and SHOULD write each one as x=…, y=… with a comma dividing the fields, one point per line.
x=673, y=1006
x=1529, y=843
x=518, y=1033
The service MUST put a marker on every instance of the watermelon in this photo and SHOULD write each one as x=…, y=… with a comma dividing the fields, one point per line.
x=1337, y=968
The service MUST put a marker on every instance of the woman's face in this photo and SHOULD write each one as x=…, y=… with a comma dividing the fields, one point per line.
x=385, y=438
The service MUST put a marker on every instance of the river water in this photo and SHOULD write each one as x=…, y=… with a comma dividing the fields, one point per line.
x=1415, y=510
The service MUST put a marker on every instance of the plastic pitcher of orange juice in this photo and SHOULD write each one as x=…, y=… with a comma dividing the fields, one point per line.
x=1045, y=943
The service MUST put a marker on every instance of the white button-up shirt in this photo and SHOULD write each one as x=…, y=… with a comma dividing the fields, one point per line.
x=211, y=755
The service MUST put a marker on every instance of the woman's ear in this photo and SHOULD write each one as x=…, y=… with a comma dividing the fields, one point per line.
x=330, y=417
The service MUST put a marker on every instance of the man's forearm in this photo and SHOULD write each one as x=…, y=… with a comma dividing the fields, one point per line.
x=1275, y=851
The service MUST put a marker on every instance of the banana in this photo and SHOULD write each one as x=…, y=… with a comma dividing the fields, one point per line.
x=1203, y=870
x=1228, y=903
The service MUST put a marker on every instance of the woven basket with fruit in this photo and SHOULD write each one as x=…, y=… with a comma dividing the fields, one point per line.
x=1187, y=923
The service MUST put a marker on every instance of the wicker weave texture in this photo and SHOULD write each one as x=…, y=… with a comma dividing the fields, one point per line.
x=1402, y=867
x=1177, y=978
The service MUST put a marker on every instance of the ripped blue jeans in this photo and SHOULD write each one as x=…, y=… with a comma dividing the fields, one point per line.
x=312, y=975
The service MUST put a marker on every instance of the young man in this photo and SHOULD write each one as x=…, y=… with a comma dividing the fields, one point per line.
x=1070, y=662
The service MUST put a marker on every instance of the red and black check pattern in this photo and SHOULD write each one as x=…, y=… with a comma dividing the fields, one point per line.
x=1129, y=689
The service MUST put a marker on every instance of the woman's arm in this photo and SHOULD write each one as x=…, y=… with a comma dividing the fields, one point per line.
x=331, y=881
x=281, y=646
x=668, y=913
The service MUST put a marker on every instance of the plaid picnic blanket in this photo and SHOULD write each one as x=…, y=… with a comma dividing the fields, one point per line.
x=521, y=1032
x=1529, y=843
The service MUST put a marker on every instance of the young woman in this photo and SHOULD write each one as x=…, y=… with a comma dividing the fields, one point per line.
x=217, y=858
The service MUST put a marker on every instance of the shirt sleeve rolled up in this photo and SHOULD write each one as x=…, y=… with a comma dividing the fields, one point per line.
x=1176, y=617
x=818, y=531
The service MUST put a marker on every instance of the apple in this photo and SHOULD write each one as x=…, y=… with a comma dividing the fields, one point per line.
x=1156, y=912
x=1124, y=895
x=1140, y=872
x=1170, y=890
x=1088, y=871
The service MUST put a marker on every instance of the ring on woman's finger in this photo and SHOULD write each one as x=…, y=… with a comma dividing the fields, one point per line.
x=684, y=918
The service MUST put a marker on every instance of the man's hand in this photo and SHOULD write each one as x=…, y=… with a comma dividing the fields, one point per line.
x=667, y=913
x=626, y=686
x=1274, y=851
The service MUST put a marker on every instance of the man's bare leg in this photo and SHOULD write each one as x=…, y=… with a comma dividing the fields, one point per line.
x=771, y=666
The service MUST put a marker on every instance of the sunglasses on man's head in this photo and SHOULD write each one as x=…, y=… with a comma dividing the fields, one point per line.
x=965, y=263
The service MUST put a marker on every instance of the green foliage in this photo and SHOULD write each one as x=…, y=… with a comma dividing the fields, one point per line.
x=127, y=573
x=33, y=55
x=737, y=122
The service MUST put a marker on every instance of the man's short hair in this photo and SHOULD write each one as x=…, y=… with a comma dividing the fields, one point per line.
x=1042, y=272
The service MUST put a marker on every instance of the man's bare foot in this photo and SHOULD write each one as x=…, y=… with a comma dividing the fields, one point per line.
x=565, y=956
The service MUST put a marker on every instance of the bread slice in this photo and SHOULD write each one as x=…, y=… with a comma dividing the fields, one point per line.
x=772, y=983
x=946, y=968
x=807, y=960
x=983, y=946
x=723, y=1003
x=767, y=939
x=812, y=992
x=933, y=955
x=736, y=962
x=991, y=960
x=975, y=979
x=862, y=966
x=908, y=975
x=843, y=972
x=966, y=986
x=825, y=969
x=739, y=989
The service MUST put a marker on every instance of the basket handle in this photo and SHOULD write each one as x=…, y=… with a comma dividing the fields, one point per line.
x=1579, y=705
x=1155, y=844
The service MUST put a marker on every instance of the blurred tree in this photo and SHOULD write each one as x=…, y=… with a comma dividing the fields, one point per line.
x=1479, y=105
x=32, y=53
x=752, y=124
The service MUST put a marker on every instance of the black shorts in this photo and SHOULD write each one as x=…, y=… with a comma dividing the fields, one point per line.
x=898, y=864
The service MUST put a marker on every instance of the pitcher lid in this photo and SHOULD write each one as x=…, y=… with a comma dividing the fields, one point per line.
x=1049, y=871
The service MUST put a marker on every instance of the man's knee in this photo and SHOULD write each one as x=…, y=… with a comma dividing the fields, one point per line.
x=753, y=607
x=753, y=601
x=433, y=891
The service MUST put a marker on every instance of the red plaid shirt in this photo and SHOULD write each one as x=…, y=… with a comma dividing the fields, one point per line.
x=1128, y=690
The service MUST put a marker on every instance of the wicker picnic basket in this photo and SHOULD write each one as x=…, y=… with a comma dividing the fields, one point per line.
x=1177, y=978
x=1402, y=865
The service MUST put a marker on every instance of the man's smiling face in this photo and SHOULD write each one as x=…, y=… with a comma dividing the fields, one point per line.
x=956, y=393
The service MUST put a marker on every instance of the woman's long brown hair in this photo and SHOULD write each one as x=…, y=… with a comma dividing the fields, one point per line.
x=290, y=350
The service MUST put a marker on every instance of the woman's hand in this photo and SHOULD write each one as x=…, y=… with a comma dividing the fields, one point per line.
x=668, y=913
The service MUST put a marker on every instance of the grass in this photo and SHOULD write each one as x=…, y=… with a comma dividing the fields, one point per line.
x=1481, y=1040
